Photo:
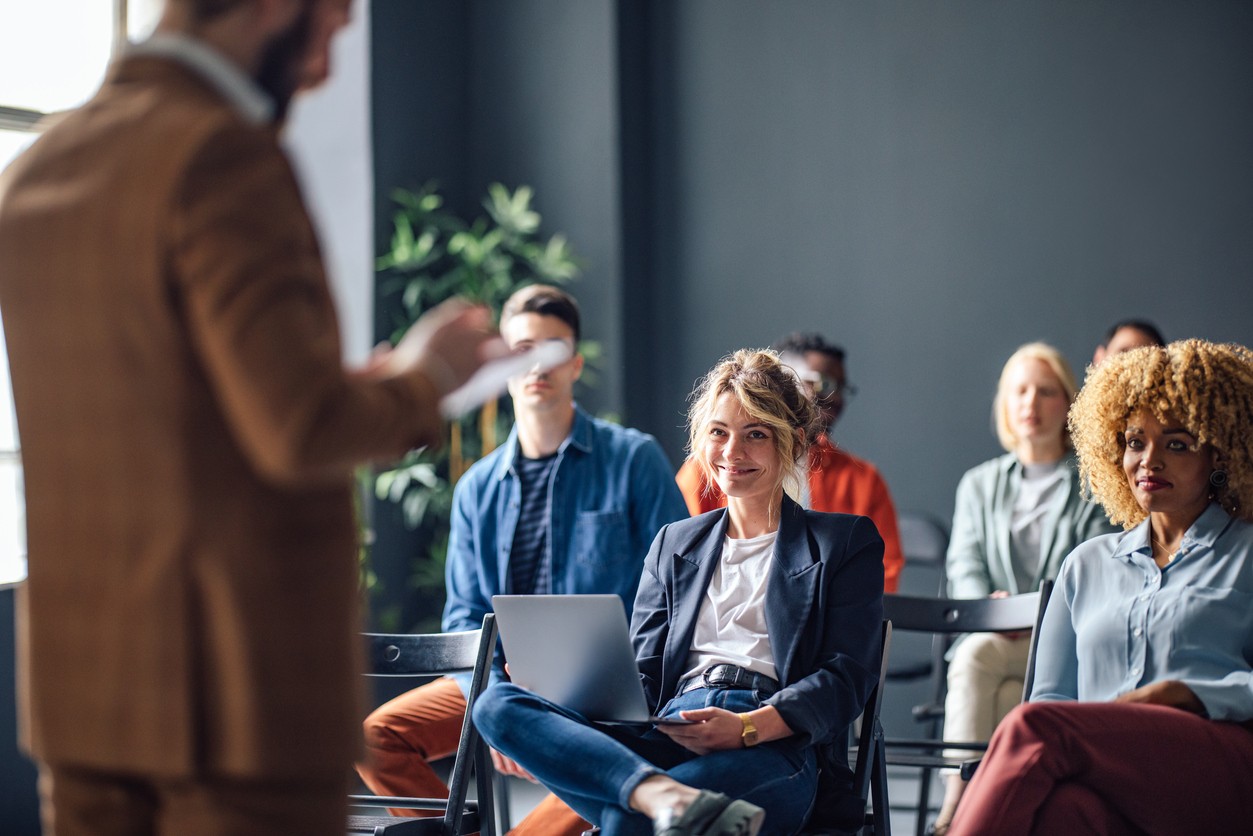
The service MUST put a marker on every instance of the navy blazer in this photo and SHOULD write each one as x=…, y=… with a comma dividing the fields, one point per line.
x=824, y=608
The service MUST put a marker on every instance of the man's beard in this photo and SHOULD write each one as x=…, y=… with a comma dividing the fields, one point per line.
x=281, y=68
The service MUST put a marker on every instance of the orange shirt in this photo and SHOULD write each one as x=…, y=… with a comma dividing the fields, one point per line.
x=838, y=482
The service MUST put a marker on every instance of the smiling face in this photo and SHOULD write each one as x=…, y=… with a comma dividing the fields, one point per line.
x=541, y=391
x=740, y=452
x=1167, y=470
x=1035, y=403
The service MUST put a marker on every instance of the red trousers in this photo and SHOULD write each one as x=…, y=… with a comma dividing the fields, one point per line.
x=422, y=725
x=1105, y=768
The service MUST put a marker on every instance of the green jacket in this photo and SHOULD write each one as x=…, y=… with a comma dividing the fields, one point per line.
x=978, y=561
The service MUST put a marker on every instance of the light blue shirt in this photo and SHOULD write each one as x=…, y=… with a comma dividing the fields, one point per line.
x=1117, y=622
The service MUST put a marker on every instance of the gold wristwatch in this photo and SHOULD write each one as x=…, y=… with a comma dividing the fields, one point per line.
x=749, y=735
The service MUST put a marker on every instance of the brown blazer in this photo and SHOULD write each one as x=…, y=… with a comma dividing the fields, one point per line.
x=188, y=434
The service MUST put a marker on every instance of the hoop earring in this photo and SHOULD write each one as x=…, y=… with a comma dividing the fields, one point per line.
x=1218, y=479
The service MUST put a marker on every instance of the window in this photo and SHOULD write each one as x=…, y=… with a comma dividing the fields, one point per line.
x=53, y=56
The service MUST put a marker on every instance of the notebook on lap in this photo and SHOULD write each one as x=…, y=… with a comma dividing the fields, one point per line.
x=575, y=650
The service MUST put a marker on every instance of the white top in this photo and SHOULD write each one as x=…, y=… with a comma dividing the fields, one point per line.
x=731, y=626
x=252, y=103
x=1041, y=486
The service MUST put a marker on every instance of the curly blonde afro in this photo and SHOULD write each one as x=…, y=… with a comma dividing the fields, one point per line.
x=1206, y=387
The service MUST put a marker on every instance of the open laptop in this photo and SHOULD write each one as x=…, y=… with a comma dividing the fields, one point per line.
x=575, y=650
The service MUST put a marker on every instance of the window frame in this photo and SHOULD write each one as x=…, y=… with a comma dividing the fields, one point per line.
x=25, y=120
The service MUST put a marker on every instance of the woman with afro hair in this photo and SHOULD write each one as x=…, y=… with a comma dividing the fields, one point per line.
x=1141, y=716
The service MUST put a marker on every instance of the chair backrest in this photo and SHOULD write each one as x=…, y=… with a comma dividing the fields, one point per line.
x=1046, y=590
x=869, y=742
x=422, y=654
x=962, y=615
x=429, y=654
x=947, y=616
x=923, y=538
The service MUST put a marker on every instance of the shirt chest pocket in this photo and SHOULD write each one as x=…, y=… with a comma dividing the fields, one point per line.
x=601, y=537
x=1211, y=620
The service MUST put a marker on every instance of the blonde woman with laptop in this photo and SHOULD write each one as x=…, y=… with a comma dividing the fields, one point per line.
x=759, y=623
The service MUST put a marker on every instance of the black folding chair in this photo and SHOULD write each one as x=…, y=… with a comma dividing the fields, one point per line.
x=870, y=782
x=870, y=774
x=946, y=618
x=432, y=654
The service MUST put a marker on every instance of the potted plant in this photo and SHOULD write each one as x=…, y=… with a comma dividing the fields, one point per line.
x=435, y=255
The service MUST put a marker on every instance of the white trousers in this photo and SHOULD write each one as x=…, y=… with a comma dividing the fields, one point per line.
x=985, y=680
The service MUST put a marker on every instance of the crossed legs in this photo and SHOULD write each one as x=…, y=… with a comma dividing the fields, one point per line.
x=1106, y=768
x=597, y=769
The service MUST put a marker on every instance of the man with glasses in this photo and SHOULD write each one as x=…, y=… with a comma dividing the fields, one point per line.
x=568, y=504
x=839, y=482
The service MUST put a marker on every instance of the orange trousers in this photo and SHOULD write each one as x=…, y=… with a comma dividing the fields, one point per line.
x=403, y=735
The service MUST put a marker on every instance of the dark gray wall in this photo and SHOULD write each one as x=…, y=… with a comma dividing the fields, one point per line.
x=935, y=184
x=543, y=112
x=929, y=184
x=468, y=94
x=19, y=805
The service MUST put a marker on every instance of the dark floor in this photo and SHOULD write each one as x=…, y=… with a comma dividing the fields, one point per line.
x=902, y=791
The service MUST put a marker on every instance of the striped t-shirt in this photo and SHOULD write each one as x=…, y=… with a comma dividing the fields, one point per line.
x=529, y=569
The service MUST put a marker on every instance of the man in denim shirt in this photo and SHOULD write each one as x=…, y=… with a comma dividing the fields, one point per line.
x=568, y=504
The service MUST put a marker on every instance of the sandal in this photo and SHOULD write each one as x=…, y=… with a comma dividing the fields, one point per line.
x=714, y=814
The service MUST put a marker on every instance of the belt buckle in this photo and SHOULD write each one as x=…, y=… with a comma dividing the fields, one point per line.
x=722, y=676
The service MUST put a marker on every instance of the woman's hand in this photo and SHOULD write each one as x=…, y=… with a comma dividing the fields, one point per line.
x=712, y=729
x=1169, y=692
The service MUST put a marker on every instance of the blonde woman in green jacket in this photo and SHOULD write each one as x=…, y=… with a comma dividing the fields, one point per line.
x=1016, y=518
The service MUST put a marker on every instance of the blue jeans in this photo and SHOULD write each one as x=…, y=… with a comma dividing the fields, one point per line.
x=595, y=768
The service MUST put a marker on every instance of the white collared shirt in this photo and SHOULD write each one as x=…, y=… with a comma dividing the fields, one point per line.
x=237, y=87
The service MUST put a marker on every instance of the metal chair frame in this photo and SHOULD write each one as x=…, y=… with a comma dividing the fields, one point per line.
x=946, y=618
x=431, y=654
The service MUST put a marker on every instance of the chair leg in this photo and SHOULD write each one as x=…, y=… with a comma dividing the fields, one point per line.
x=879, y=788
x=924, y=801
x=502, y=804
x=487, y=804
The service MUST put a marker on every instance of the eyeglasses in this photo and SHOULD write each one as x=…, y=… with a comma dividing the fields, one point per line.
x=827, y=388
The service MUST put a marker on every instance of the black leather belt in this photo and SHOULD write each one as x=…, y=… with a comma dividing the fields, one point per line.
x=730, y=676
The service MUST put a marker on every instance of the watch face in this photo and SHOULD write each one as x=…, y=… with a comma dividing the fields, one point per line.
x=749, y=735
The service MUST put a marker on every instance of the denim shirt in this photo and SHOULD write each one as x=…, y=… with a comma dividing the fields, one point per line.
x=610, y=492
x=1116, y=621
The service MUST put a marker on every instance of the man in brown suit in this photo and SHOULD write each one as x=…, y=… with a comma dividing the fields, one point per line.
x=188, y=633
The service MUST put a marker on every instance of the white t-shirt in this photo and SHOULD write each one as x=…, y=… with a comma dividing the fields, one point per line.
x=1040, y=488
x=731, y=625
